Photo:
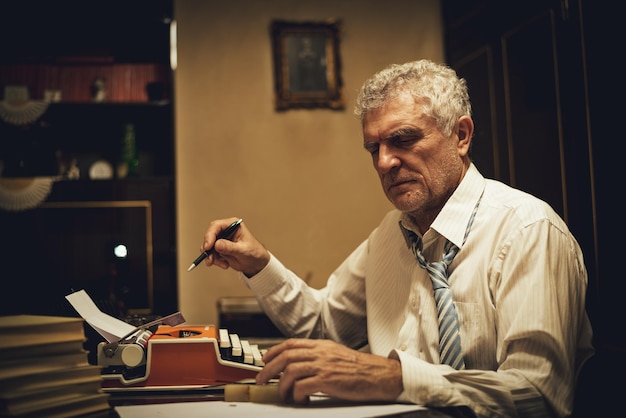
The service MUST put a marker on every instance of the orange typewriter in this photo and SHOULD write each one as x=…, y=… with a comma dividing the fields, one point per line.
x=178, y=357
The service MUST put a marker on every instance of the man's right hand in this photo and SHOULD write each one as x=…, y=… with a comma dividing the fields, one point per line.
x=241, y=252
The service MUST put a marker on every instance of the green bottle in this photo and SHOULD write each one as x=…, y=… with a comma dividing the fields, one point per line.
x=129, y=161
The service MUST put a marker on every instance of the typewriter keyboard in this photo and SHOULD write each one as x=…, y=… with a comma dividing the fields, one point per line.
x=232, y=348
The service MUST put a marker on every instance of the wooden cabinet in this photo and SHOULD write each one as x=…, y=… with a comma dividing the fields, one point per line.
x=57, y=51
x=538, y=76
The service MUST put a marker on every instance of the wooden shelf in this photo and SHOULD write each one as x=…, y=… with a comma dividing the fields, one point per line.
x=123, y=82
x=65, y=48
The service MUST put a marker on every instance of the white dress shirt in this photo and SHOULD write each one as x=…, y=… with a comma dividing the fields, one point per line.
x=518, y=282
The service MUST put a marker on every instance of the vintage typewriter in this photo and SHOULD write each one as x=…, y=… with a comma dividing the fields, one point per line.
x=178, y=357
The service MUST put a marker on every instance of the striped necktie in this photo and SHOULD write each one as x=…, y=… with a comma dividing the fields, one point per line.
x=450, y=351
x=449, y=330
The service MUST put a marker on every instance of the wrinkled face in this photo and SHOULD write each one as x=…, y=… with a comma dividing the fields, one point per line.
x=418, y=166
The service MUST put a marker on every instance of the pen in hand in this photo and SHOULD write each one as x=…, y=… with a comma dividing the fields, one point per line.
x=225, y=234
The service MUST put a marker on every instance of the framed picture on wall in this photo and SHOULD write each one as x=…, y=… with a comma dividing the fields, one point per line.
x=307, y=68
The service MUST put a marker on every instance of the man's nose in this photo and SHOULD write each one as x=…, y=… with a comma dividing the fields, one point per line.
x=387, y=159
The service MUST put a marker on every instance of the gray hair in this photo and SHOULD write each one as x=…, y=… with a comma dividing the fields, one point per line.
x=444, y=95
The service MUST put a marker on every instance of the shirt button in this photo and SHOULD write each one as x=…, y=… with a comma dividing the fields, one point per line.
x=403, y=347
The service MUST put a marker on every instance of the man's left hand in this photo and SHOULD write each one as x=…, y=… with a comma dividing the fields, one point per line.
x=307, y=366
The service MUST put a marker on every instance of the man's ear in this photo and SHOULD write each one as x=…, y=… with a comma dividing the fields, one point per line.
x=465, y=132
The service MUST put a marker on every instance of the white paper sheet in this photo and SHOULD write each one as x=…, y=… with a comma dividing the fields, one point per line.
x=112, y=329
x=328, y=408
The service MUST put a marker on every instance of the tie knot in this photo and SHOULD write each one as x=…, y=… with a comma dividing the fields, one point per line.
x=437, y=270
x=414, y=242
x=449, y=252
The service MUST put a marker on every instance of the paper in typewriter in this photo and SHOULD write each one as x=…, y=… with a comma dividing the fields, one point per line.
x=111, y=329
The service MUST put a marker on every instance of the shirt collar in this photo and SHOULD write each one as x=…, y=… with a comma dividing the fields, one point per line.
x=455, y=214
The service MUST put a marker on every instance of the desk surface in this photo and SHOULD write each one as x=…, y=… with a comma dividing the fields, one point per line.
x=202, y=403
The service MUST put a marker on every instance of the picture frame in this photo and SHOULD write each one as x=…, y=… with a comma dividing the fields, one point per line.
x=307, y=66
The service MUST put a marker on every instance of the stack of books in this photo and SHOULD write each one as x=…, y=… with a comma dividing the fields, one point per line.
x=44, y=369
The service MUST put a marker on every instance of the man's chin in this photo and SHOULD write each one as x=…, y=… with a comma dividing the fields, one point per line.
x=403, y=203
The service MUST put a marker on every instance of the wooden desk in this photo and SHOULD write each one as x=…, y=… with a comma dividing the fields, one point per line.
x=209, y=395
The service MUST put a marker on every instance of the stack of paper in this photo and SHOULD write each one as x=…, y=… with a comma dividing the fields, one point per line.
x=44, y=369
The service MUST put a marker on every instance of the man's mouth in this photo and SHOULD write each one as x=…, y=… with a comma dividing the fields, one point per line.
x=399, y=183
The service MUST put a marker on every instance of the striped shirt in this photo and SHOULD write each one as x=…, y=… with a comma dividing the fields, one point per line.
x=518, y=282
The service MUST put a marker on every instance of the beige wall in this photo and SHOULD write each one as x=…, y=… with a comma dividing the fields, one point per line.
x=300, y=179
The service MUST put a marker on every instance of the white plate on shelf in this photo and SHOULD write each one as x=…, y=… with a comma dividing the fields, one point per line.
x=101, y=170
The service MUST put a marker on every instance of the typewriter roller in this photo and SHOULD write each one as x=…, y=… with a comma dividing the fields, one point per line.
x=180, y=356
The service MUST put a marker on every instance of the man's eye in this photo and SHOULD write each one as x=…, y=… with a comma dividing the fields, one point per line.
x=404, y=141
x=372, y=149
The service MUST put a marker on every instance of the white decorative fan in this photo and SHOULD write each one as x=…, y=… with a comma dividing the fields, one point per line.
x=18, y=109
x=22, y=113
x=24, y=193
